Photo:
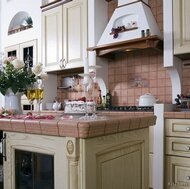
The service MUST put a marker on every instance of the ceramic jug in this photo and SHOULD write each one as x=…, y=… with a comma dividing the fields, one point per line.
x=56, y=105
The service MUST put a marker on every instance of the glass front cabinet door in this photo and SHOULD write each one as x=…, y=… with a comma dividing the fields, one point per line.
x=34, y=162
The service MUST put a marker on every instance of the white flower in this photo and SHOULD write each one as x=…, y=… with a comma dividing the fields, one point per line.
x=18, y=63
x=44, y=75
x=37, y=69
x=9, y=59
x=5, y=61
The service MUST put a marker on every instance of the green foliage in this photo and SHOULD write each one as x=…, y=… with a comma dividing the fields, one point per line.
x=17, y=79
x=28, y=20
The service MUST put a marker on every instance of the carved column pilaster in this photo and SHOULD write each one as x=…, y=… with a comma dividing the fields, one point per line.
x=72, y=151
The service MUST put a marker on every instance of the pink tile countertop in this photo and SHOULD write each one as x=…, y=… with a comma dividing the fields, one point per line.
x=108, y=124
x=177, y=115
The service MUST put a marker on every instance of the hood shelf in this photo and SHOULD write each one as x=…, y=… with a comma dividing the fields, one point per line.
x=109, y=50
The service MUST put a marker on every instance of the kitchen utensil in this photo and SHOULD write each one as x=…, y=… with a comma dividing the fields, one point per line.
x=147, y=100
x=56, y=106
x=67, y=82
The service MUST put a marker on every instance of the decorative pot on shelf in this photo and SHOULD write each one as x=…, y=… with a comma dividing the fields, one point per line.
x=13, y=101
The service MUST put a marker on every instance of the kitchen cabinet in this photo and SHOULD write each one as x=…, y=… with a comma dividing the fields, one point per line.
x=181, y=27
x=64, y=36
x=177, y=153
x=46, y=145
x=113, y=161
x=116, y=161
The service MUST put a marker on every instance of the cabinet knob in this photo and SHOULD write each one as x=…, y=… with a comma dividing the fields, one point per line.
x=188, y=177
x=187, y=147
x=188, y=128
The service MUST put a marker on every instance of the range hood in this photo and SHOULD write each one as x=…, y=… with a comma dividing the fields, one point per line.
x=124, y=31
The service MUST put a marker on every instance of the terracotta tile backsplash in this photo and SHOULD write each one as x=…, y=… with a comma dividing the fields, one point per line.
x=144, y=64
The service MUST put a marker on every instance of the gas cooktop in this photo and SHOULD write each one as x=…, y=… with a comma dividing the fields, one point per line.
x=129, y=108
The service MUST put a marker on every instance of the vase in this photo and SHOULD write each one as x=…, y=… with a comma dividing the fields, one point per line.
x=13, y=101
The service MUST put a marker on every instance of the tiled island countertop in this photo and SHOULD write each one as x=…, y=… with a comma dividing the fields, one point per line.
x=75, y=127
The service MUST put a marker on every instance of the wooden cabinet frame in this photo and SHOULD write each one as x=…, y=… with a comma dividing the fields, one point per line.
x=19, y=49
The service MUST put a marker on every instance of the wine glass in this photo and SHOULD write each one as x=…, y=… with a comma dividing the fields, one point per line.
x=92, y=74
x=31, y=94
x=39, y=93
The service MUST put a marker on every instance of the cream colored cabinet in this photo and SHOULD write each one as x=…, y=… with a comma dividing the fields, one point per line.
x=64, y=36
x=151, y=155
x=47, y=145
x=181, y=26
x=177, y=153
x=115, y=161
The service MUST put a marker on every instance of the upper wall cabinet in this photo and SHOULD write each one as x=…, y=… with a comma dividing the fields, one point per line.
x=181, y=24
x=64, y=36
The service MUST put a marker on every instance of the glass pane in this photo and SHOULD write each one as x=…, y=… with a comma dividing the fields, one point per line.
x=43, y=171
x=33, y=170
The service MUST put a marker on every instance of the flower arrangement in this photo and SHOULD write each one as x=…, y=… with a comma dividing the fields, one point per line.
x=15, y=76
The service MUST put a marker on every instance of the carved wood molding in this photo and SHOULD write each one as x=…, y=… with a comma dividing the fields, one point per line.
x=108, y=50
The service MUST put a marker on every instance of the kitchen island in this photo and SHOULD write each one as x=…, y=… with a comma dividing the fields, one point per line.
x=110, y=152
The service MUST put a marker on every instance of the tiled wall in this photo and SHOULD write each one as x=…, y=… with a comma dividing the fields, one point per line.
x=77, y=91
x=144, y=64
x=148, y=64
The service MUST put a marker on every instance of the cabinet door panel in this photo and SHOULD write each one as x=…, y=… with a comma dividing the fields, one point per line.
x=177, y=173
x=122, y=165
x=117, y=161
x=39, y=144
x=74, y=42
x=75, y=33
x=181, y=15
x=52, y=38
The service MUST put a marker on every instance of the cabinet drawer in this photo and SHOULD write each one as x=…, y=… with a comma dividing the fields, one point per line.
x=177, y=127
x=177, y=173
x=177, y=146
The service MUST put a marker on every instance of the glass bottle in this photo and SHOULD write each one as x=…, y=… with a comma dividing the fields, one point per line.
x=142, y=33
x=108, y=100
x=99, y=99
x=147, y=32
x=104, y=102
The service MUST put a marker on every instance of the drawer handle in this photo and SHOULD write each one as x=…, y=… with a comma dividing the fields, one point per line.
x=3, y=140
x=188, y=128
x=187, y=147
x=188, y=177
x=61, y=63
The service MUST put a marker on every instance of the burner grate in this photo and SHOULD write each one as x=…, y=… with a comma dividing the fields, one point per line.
x=129, y=108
